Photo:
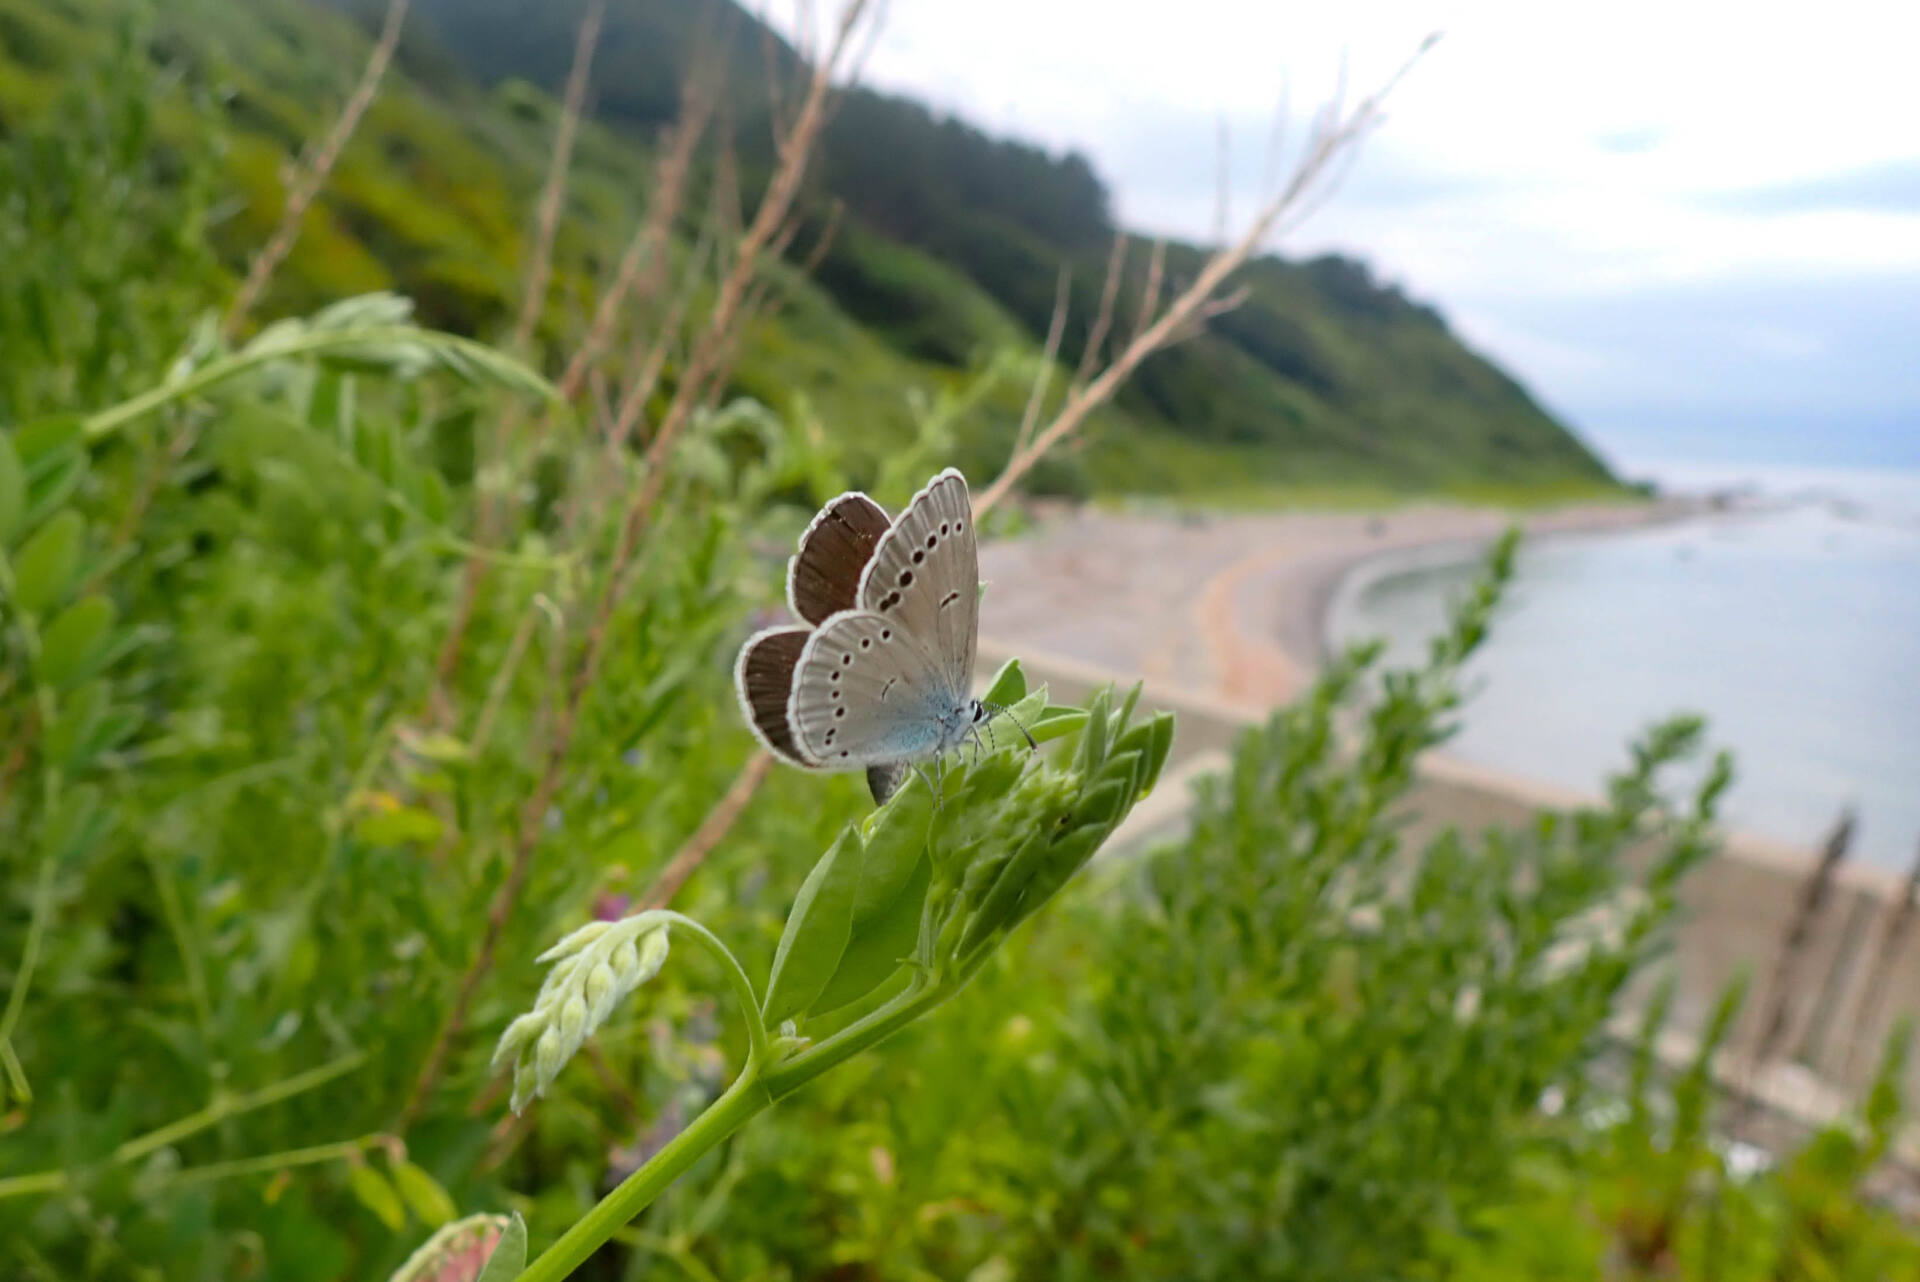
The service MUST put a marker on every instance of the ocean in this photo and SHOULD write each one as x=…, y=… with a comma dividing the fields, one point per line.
x=1790, y=621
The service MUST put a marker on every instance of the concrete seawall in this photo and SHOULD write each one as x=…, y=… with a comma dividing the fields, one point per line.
x=1841, y=995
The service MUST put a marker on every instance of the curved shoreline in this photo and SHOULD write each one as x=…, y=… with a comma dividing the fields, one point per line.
x=1226, y=607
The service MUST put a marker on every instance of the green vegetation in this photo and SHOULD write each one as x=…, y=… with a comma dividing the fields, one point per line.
x=344, y=668
x=946, y=256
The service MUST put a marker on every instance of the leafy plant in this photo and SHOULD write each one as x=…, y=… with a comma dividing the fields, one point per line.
x=894, y=919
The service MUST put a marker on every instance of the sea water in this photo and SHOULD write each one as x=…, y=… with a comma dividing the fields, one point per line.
x=1790, y=621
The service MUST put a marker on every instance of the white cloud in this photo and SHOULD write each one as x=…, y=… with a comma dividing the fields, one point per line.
x=1540, y=155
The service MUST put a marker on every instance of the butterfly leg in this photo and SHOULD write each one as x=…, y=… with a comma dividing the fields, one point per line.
x=931, y=780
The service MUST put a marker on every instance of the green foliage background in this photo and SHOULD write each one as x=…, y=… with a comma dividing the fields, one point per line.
x=947, y=256
x=241, y=877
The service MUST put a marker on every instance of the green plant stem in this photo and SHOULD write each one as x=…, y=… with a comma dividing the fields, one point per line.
x=312, y=343
x=754, y=1090
x=742, y=1101
x=790, y=1074
x=219, y=1111
x=16, y=1073
x=274, y=1162
x=30, y=951
x=175, y=913
x=759, y=1051
x=232, y=1105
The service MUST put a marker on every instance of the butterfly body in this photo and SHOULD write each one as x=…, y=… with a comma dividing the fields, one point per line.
x=882, y=679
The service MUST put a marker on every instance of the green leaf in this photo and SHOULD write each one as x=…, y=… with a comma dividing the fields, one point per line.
x=50, y=484
x=817, y=930
x=38, y=440
x=880, y=944
x=1009, y=685
x=398, y=826
x=1093, y=741
x=74, y=822
x=509, y=1258
x=896, y=837
x=44, y=569
x=376, y=1194
x=74, y=642
x=1056, y=722
x=1162, y=745
x=70, y=737
x=13, y=492
x=1062, y=861
x=1100, y=806
x=430, y=1204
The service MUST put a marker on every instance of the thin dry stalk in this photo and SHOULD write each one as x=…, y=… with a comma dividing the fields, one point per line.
x=509, y=666
x=648, y=246
x=712, y=830
x=646, y=379
x=1103, y=319
x=1150, y=292
x=1775, y=1012
x=1334, y=133
x=776, y=91
x=703, y=363
x=494, y=491
x=823, y=246
x=307, y=185
x=1874, y=996
x=533, y=290
x=1043, y=376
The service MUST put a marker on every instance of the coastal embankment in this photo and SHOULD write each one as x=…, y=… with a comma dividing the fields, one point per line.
x=1224, y=617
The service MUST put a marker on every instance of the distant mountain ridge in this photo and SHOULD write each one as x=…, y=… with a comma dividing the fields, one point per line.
x=1006, y=215
x=948, y=251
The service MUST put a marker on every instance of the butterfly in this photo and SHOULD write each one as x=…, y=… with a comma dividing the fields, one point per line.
x=881, y=676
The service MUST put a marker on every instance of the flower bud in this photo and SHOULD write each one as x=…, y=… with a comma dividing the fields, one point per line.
x=602, y=991
x=549, y=1057
x=572, y=1023
x=576, y=941
x=652, y=955
x=520, y=1032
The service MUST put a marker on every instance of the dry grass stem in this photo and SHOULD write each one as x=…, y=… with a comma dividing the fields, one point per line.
x=1042, y=377
x=307, y=184
x=1103, y=319
x=647, y=249
x=1335, y=132
x=705, y=362
x=553, y=193
x=1150, y=292
x=712, y=830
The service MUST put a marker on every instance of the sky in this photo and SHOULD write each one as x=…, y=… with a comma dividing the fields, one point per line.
x=1692, y=231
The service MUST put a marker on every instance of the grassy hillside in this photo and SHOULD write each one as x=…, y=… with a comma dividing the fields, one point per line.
x=946, y=257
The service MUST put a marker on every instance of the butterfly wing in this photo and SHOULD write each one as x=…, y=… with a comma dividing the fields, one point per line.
x=866, y=693
x=764, y=678
x=824, y=577
x=925, y=574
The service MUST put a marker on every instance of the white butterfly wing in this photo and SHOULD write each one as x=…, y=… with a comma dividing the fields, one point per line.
x=865, y=693
x=925, y=575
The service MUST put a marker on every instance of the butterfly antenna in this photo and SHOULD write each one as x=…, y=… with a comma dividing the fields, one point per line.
x=1002, y=710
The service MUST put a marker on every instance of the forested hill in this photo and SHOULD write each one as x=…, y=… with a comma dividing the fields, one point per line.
x=947, y=251
x=1324, y=373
